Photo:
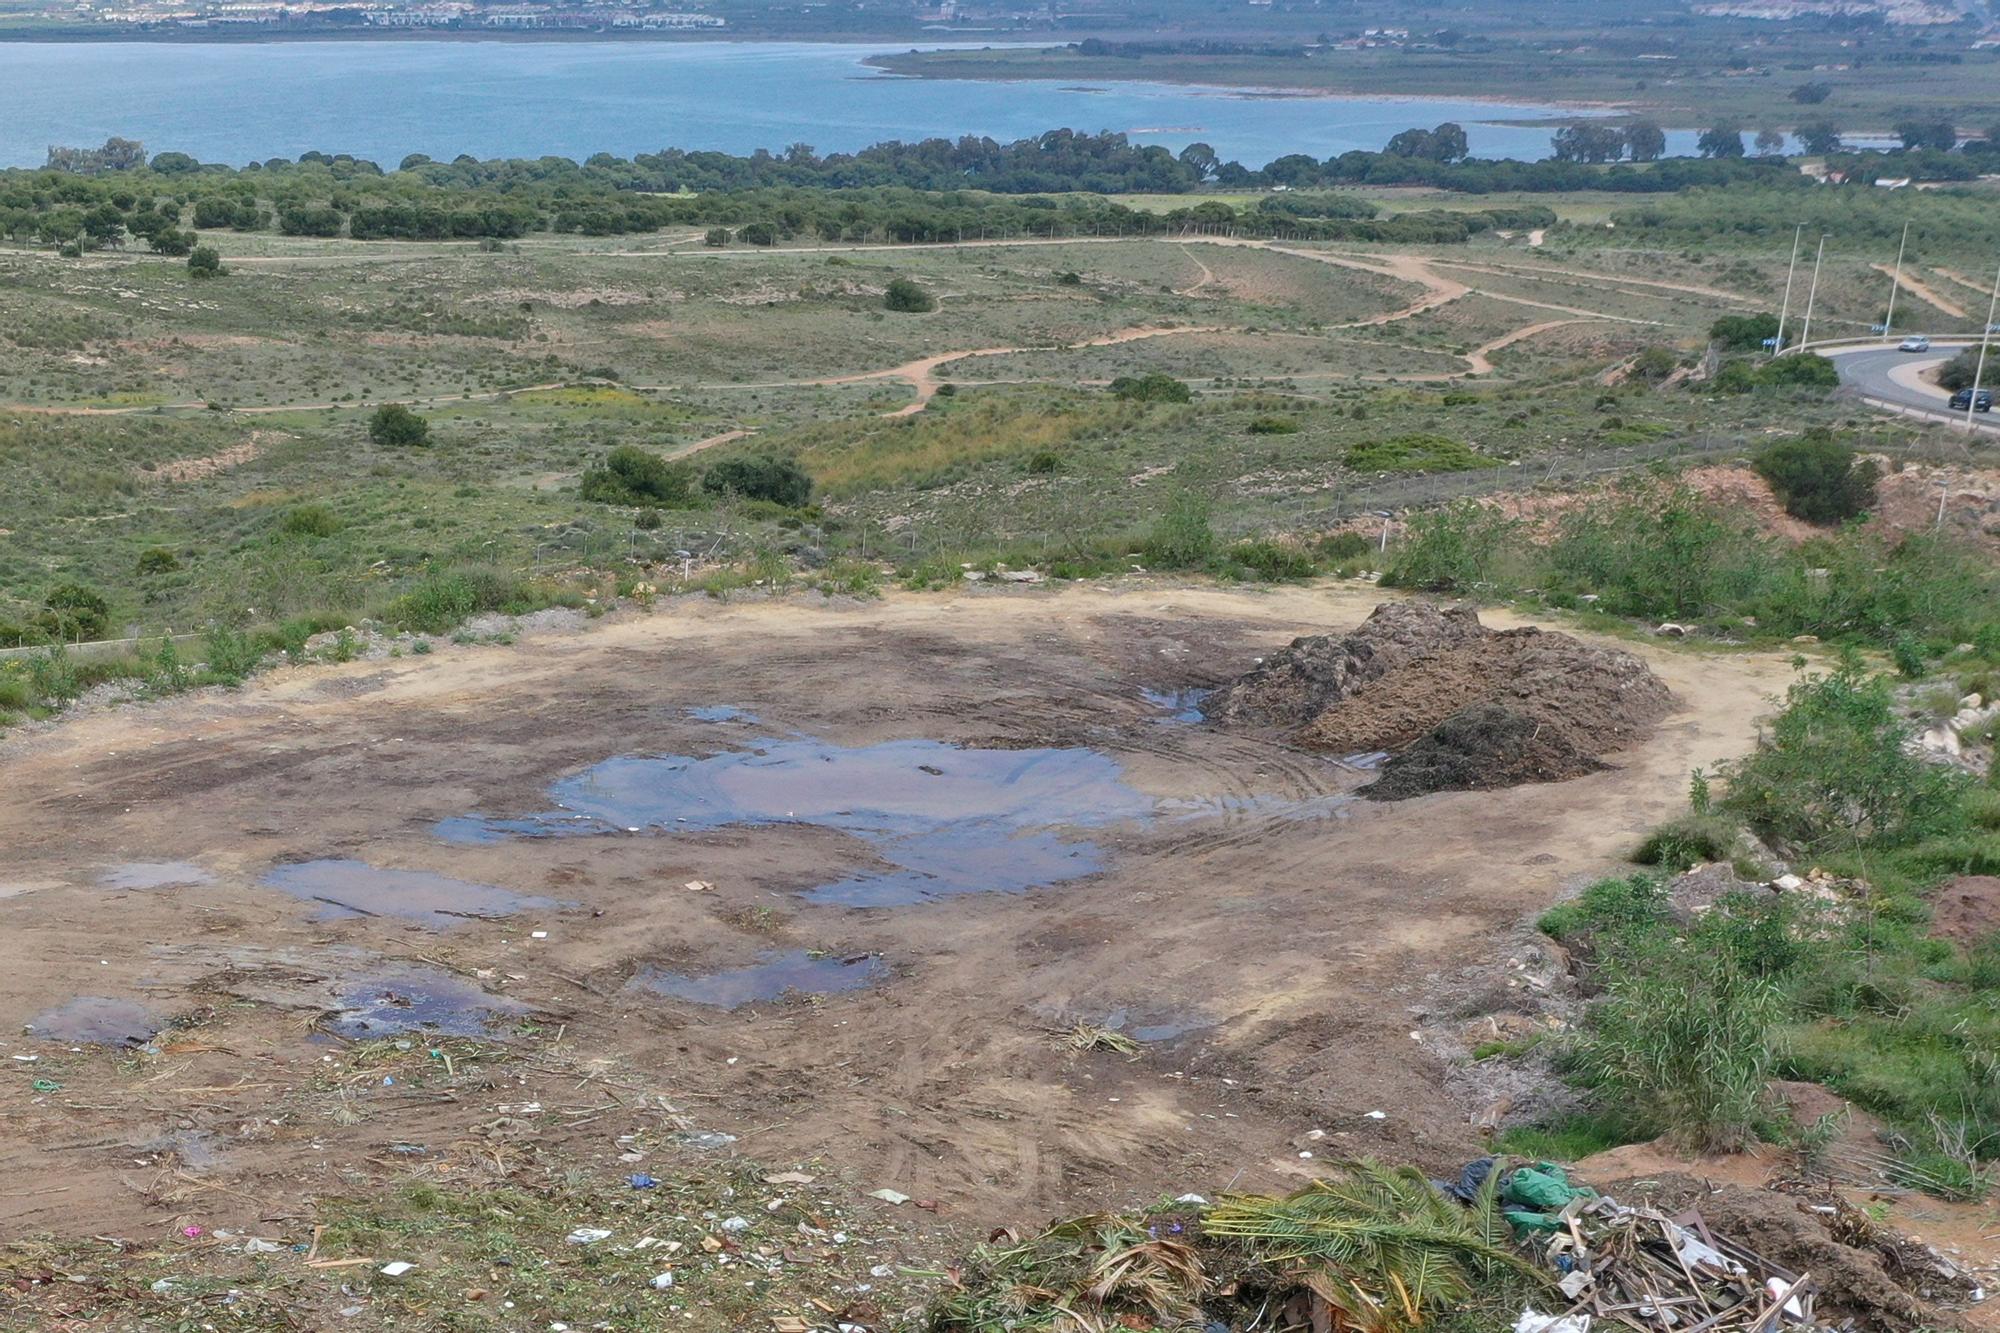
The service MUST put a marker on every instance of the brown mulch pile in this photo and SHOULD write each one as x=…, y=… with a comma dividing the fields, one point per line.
x=1966, y=909
x=1459, y=706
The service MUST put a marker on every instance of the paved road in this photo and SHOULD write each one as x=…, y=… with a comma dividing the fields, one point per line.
x=1896, y=378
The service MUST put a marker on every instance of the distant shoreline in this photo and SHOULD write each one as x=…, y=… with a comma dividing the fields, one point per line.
x=215, y=37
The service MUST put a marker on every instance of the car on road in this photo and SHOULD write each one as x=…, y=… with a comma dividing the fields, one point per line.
x=1916, y=342
x=1963, y=399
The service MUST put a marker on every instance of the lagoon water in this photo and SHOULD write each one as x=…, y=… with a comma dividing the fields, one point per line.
x=242, y=101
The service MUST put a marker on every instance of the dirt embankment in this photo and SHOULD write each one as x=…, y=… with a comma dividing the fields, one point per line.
x=1458, y=706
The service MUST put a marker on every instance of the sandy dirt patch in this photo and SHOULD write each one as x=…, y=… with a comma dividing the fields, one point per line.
x=347, y=851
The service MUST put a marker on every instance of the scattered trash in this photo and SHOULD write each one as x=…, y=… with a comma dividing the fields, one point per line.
x=256, y=1246
x=788, y=1178
x=889, y=1196
x=191, y=1233
x=1378, y=1115
x=662, y=1282
x=587, y=1236
x=1534, y=1321
x=163, y=1284
x=735, y=1225
x=399, y=1268
x=641, y=1181
x=47, y=1085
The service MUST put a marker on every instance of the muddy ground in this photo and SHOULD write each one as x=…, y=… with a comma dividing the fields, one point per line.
x=1275, y=945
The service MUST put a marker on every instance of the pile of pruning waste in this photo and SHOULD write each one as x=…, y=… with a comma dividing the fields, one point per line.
x=1379, y=1249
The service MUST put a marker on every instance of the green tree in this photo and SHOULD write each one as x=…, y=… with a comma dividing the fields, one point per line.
x=716, y=237
x=631, y=476
x=906, y=297
x=395, y=426
x=205, y=261
x=1811, y=94
x=1819, y=479
x=1722, y=140
x=1645, y=140
x=1958, y=373
x=1819, y=136
x=1743, y=333
x=1938, y=134
x=1152, y=387
x=75, y=611
x=778, y=480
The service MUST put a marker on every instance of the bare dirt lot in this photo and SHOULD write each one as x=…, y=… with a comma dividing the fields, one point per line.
x=244, y=870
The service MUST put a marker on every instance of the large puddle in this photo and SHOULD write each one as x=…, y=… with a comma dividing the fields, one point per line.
x=947, y=820
x=399, y=1000
x=154, y=875
x=347, y=889
x=97, y=1020
x=775, y=975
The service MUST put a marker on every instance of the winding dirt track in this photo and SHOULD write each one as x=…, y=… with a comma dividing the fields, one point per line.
x=1923, y=291
x=920, y=374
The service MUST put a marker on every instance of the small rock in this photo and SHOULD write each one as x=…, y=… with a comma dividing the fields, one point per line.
x=889, y=1196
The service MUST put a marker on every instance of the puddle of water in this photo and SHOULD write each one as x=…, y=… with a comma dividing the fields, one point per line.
x=97, y=1020
x=399, y=1000
x=949, y=820
x=1152, y=1026
x=775, y=975
x=1181, y=707
x=720, y=713
x=346, y=889
x=154, y=875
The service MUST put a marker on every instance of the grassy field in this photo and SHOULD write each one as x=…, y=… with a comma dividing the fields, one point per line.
x=198, y=452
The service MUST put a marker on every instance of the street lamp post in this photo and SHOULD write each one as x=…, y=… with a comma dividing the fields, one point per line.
x=1985, y=338
x=1786, y=309
x=1889, y=320
x=1812, y=293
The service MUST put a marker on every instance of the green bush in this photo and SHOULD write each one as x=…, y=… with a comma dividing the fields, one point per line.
x=232, y=655
x=157, y=560
x=1454, y=546
x=442, y=600
x=1634, y=903
x=1655, y=363
x=1806, y=370
x=1152, y=387
x=394, y=426
x=1958, y=372
x=778, y=480
x=716, y=237
x=309, y=520
x=1272, y=426
x=1684, y=1035
x=1818, y=479
x=1044, y=462
x=1344, y=546
x=1182, y=537
x=905, y=297
x=75, y=612
x=1743, y=333
x=1416, y=453
x=757, y=233
x=1689, y=841
x=205, y=261
x=1273, y=561
x=1834, y=773
x=631, y=476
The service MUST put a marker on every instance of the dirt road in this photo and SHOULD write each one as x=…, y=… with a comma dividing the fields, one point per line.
x=1274, y=943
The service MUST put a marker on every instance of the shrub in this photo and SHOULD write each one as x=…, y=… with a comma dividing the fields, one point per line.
x=75, y=612
x=395, y=426
x=1655, y=363
x=1343, y=546
x=1834, y=774
x=1805, y=370
x=1272, y=426
x=232, y=654
x=757, y=233
x=716, y=236
x=1958, y=373
x=647, y=520
x=779, y=480
x=1818, y=479
x=53, y=676
x=1270, y=560
x=1688, y=841
x=441, y=600
x=1734, y=377
x=1182, y=537
x=1044, y=462
x=1743, y=333
x=309, y=520
x=205, y=261
x=157, y=560
x=1416, y=453
x=1684, y=1033
x=631, y=476
x=907, y=298
x=1152, y=387
x=1451, y=547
